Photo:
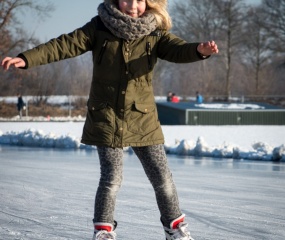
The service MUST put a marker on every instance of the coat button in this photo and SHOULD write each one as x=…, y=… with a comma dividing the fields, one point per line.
x=93, y=108
x=122, y=110
x=121, y=129
x=123, y=92
x=127, y=72
x=146, y=110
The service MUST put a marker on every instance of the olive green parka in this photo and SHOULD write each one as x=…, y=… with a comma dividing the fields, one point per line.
x=121, y=106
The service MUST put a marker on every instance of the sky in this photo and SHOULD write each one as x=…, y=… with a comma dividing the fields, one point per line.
x=67, y=16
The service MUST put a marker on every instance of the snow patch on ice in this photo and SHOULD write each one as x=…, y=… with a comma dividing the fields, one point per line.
x=37, y=138
x=259, y=151
x=200, y=148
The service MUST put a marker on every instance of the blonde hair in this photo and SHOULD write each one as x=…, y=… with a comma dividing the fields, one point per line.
x=158, y=8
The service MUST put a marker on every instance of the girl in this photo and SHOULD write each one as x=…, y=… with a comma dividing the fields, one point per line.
x=126, y=38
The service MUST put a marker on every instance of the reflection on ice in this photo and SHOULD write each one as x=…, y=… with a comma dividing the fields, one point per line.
x=227, y=163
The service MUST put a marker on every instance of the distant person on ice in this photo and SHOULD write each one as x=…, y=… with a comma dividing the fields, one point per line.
x=174, y=98
x=169, y=96
x=126, y=39
x=20, y=104
x=199, y=98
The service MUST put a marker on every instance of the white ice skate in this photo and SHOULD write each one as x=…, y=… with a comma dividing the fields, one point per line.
x=178, y=230
x=104, y=231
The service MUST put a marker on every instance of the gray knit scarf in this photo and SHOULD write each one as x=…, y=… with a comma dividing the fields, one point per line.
x=124, y=26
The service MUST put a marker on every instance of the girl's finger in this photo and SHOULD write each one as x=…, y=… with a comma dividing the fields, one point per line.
x=5, y=60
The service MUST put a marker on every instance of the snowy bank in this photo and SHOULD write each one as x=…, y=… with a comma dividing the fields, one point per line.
x=37, y=138
x=78, y=118
x=199, y=148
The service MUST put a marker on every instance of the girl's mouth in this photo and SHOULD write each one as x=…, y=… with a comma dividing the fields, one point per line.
x=132, y=14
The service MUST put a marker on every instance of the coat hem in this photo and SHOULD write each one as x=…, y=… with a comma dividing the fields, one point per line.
x=131, y=144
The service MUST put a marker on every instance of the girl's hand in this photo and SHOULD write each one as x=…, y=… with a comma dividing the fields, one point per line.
x=208, y=48
x=16, y=62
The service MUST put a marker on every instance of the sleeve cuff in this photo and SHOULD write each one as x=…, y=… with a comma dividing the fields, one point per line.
x=25, y=60
x=201, y=56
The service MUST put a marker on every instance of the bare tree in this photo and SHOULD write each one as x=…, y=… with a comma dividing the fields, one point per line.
x=220, y=20
x=275, y=23
x=266, y=26
x=230, y=19
x=195, y=20
x=255, y=47
x=11, y=26
x=14, y=38
x=246, y=35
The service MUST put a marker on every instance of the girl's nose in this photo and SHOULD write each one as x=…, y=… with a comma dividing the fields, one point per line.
x=133, y=4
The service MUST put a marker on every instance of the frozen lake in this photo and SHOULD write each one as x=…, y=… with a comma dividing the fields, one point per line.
x=49, y=194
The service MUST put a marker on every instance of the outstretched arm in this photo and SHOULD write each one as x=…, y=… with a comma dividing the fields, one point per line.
x=208, y=48
x=16, y=62
x=65, y=46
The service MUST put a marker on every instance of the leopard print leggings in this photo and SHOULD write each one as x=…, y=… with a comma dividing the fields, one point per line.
x=154, y=162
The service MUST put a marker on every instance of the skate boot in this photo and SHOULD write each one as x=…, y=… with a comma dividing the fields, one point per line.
x=178, y=230
x=104, y=231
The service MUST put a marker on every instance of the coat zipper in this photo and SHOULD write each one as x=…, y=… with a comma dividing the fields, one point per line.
x=148, y=50
x=103, y=48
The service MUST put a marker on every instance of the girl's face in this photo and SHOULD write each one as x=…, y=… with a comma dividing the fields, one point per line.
x=133, y=8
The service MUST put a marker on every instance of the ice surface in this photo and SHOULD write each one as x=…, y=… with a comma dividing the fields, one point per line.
x=48, y=194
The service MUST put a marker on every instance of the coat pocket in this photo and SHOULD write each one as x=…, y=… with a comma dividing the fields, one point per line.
x=99, y=125
x=100, y=111
x=143, y=118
